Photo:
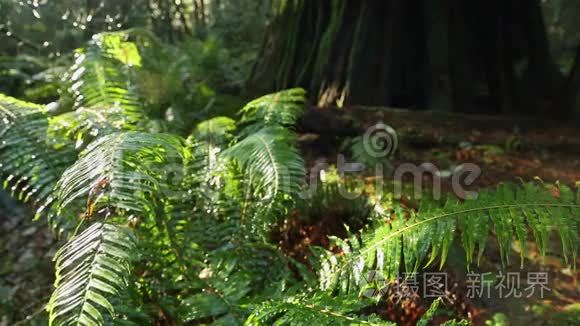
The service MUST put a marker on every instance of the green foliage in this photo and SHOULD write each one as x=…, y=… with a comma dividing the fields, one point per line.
x=201, y=210
x=30, y=164
x=120, y=171
x=364, y=149
x=279, y=109
x=418, y=239
x=93, y=265
x=168, y=204
x=85, y=124
x=29, y=78
x=499, y=319
x=274, y=168
x=217, y=130
x=570, y=315
x=239, y=26
x=327, y=199
x=433, y=310
x=269, y=160
x=152, y=180
x=100, y=76
x=317, y=310
x=177, y=227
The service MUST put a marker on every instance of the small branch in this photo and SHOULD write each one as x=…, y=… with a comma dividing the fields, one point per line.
x=20, y=39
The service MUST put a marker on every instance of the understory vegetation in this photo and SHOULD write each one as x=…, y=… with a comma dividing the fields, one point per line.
x=166, y=217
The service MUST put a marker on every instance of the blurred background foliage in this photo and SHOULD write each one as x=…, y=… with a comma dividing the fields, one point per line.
x=203, y=51
x=237, y=48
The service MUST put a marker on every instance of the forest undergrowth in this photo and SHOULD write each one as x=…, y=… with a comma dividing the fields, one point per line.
x=147, y=212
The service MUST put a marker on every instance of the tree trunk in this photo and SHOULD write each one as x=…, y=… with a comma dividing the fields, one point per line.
x=363, y=52
x=544, y=80
x=571, y=91
x=382, y=53
x=460, y=62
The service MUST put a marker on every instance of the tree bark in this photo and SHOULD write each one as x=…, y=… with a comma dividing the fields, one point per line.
x=381, y=53
x=460, y=63
x=571, y=91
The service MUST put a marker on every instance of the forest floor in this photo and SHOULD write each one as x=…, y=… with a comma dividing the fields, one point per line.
x=505, y=150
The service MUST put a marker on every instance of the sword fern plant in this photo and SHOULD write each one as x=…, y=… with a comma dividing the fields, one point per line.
x=174, y=227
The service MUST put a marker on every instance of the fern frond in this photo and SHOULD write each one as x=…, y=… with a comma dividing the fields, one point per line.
x=266, y=265
x=93, y=265
x=271, y=159
x=317, y=310
x=273, y=168
x=508, y=210
x=207, y=172
x=216, y=130
x=236, y=275
x=202, y=306
x=433, y=310
x=100, y=76
x=86, y=124
x=283, y=108
x=119, y=172
x=29, y=164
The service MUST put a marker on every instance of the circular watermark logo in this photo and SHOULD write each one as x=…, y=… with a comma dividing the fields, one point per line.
x=380, y=140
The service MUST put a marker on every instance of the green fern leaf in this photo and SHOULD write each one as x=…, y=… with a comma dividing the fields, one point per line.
x=274, y=170
x=433, y=310
x=91, y=267
x=86, y=124
x=119, y=172
x=217, y=130
x=317, y=310
x=30, y=164
x=101, y=75
x=427, y=235
x=279, y=109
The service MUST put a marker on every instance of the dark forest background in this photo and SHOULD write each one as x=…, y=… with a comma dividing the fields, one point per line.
x=517, y=57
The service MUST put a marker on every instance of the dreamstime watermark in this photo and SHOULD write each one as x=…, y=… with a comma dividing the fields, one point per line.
x=380, y=142
x=477, y=285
